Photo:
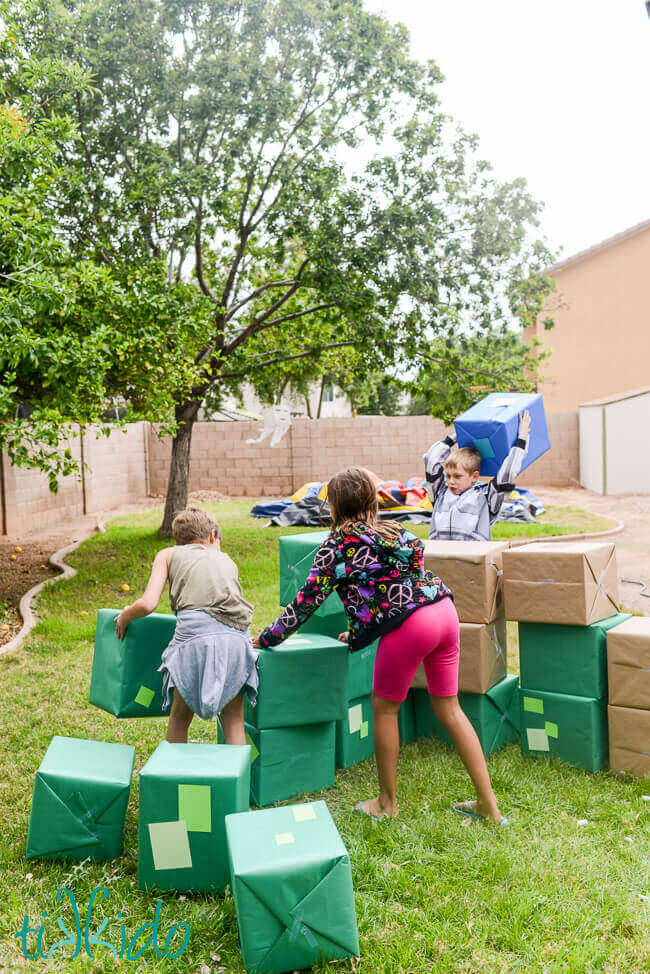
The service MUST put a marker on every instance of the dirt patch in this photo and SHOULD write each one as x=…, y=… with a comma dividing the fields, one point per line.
x=21, y=566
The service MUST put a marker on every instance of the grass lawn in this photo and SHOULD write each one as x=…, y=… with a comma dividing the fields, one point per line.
x=432, y=893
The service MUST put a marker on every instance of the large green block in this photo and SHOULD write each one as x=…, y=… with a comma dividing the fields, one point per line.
x=361, y=665
x=354, y=734
x=290, y=761
x=494, y=715
x=125, y=679
x=186, y=791
x=81, y=791
x=302, y=681
x=406, y=719
x=571, y=727
x=292, y=887
x=566, y=659
x=296, y=557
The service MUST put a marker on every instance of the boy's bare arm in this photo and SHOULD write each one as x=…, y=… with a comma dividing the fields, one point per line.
x=510, y=469
x=148, y=602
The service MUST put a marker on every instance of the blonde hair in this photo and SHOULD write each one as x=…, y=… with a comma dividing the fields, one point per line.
x=467, y=457
x=194, y=524
x=352, y=497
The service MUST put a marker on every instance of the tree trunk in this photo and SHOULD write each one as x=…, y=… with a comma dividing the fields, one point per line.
x=179, y=470
x=320, y=398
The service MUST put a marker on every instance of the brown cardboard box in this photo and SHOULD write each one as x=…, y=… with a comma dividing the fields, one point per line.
x=571, y=583
x=629, y=740
x=482, y=657
x=472, y=570
x=628, y=664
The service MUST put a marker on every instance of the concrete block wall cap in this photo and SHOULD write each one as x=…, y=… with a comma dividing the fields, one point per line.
x=26, y=603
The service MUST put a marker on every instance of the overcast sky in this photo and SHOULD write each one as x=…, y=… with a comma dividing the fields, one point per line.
x=558, y=91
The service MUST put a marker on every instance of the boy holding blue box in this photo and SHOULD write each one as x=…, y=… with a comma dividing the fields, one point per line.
x=464, y=509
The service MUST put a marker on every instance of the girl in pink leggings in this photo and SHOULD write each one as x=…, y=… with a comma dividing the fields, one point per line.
x=377, y=568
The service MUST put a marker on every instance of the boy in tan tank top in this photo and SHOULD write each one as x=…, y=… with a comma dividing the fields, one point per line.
x=210, y=662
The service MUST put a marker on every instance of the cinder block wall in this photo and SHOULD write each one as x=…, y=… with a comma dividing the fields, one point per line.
x=117, y=467
x=221, y=458
x=125, y=467
x=29, y=505
x=561, y=465
x=116, y=474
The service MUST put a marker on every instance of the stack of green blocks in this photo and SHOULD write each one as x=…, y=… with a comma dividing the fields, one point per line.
x=125, y=680
x=296, y=557
x=292, y=886
x=354, y=734
x=186, y=791
x=563, y=696
x=494, y=715
x=302, y=694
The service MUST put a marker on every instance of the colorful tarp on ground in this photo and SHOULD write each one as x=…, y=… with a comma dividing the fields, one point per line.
x=398, y=501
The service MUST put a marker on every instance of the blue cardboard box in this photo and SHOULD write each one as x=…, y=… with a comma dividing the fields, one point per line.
x=492, y=424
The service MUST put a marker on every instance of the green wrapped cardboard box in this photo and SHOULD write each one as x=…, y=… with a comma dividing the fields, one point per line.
x=186, y=791
x=302, y=681
x=292, y=887
x=406, y=720
x=566, y=659
x=354, y=740
x=494, y=715
x=289, y=761
x=361, y=666
x=81, y=791
x=570, y=727
x=125, y=679
x=296, y=557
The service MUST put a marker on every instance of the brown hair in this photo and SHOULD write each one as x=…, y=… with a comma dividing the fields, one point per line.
x=352, y=499
x=194, y=524
x=467, y=457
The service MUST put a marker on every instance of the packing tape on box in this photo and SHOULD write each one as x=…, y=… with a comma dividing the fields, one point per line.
x=86, y=815
x=599, y=581
x=499, y=572
x=299, y=928
x=495, y=639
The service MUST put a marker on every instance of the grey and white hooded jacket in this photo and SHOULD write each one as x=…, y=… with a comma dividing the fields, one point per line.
x=470, y=515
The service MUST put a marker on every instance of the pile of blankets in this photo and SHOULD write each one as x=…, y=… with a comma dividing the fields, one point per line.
x=398, y=501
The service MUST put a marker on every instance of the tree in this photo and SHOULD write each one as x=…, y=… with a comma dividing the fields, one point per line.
x=74, y=333
x=455, y=376
x=222, y=138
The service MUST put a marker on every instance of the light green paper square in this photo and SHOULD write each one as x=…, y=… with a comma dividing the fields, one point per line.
x=485, y=448
x=303, y=813
x=170, y=845
x=144, y=696
x=534, y=705
x=284, y=838
x=551, y=729
x=195, y=808
x=537, y=739
x=363, y=730
x=355, y=717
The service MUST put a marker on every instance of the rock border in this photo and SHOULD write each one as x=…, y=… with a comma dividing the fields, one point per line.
x=25, y=606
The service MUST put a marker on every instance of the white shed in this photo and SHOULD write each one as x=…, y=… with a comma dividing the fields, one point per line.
x=614, y=448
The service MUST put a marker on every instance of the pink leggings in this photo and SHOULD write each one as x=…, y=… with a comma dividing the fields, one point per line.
x=430, y=635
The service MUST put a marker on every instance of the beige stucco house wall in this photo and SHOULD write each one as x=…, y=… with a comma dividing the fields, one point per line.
x=601, y=340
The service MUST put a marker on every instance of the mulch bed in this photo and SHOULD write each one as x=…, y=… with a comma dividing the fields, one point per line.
x=17, y=575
